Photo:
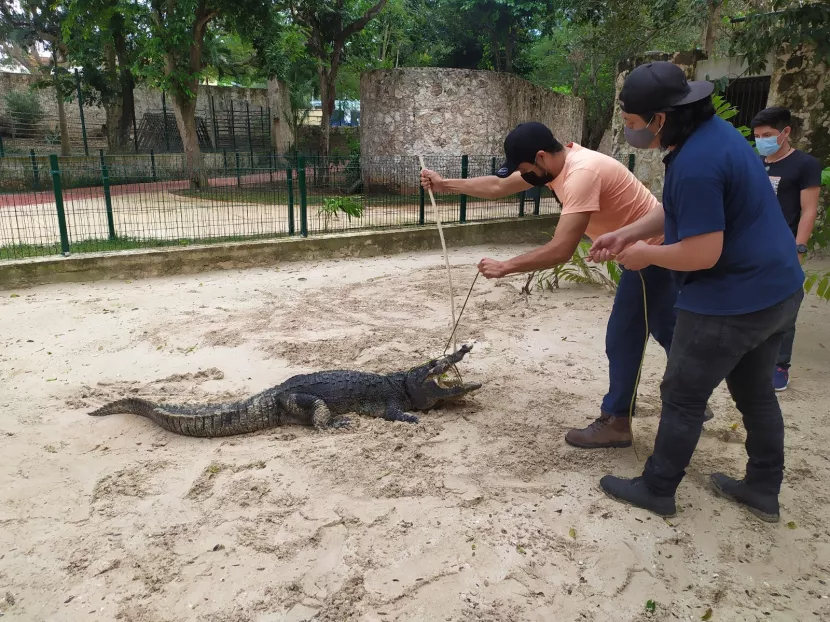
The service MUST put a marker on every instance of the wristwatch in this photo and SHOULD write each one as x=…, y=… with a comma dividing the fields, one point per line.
x=801, y=248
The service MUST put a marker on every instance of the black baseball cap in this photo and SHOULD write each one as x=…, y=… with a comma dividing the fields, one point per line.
x=523, y=143
x=659, y=87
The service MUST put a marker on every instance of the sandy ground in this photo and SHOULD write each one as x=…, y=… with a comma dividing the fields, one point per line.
x=480, y=512
x=162, y=215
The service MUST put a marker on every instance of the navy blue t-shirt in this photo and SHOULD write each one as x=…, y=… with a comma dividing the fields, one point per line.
x=715, y=182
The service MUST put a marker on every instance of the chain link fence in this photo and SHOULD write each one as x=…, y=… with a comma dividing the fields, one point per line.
x=52, y=205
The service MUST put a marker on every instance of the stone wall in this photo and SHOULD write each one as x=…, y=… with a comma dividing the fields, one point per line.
x=802, y=85
x=409, y=112
x=150, y=100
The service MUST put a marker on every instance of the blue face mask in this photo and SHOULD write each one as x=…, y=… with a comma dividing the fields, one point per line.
x=767, y=145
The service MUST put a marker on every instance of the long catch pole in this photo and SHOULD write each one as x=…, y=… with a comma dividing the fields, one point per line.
x=446, y=256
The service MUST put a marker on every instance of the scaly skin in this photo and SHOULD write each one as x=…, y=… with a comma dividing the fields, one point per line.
x=318, y=399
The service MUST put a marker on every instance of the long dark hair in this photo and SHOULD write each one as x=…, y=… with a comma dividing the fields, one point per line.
x=683, y=121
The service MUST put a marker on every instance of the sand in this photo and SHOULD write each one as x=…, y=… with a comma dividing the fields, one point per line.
x=480, y=512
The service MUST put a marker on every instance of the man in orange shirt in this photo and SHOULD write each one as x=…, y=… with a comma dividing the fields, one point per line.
x=598, y=195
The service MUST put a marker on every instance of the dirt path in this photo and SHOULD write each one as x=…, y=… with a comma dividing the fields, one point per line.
x=481, y=512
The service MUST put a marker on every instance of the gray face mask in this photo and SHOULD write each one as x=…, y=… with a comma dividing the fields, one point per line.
x=641, y=139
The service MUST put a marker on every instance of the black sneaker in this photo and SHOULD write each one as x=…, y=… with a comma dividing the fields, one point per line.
x=635, y=492
x=763, y=506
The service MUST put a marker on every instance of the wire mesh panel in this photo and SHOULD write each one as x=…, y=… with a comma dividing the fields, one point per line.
x=100, y=202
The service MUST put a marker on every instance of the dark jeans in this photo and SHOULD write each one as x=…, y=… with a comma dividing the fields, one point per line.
x=626, y=333
x=706, y=350
x=785, y=353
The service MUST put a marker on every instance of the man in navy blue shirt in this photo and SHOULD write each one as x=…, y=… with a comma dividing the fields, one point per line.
x=740, y=284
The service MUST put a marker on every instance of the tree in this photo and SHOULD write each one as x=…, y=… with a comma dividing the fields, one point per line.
x=328, y=25
x=30, y=24
x=174, y=62
x=103, y=37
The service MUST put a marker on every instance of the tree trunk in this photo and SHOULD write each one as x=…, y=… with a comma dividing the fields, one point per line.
x=185, y=110
x=65, y=148
x=327, y=98
x=126, y=88
x=710, y=26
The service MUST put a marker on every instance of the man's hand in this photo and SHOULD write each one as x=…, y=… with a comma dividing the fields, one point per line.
x=606, y=247
x=635, y=257
x=431, y=180
x=492, y=269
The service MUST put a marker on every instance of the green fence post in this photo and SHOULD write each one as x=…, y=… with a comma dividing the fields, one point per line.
x=56, y=185
x=303, y=197
x=81, y=110
x=522, y=197
x=462, y=213
x=105, y=176
x=248, y=124
x=238, y=174
x=153, y=164
x=2, y=150
x=164, y=114
x=421, y=205
x=135, y=132
x=537, y=200
x=289, y=178
x=215, y=126
x=262, y=126
x=35, y=172
x=631, y=162
x=233, y=126
x=493, y=165
x=225, y=161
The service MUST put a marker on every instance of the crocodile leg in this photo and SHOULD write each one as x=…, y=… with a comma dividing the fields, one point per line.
x=308, y=409
x=394, y=413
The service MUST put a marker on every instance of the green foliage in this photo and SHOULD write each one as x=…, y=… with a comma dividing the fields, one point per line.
x=332, y=207
x=578, y=270
x=726, y=111
x=781, y=21
x=24, y=106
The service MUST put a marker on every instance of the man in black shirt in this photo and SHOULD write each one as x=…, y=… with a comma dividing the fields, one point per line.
x=796, y=178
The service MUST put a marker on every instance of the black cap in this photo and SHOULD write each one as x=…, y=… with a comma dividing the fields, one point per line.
x=660, y=86
x=523, y=143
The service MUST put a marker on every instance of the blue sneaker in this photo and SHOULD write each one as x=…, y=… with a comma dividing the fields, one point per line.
x=781, y=378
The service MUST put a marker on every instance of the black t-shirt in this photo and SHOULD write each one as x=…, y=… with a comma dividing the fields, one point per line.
x=789, y=176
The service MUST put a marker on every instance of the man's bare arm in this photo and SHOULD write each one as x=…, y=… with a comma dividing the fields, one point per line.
x=809, y=213
x=484, y=187
x=559, y=250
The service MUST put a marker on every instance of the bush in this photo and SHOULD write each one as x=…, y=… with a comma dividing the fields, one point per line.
x=24, y=106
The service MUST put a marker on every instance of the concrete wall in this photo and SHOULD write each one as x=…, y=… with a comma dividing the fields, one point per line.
x=147, y=100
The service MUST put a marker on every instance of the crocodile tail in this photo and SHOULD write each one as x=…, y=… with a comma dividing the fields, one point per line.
x=207, y=422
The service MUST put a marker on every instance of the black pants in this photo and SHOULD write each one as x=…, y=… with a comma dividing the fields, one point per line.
x=705, y=350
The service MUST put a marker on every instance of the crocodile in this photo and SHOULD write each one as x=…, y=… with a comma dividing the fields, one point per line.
x=318, y=399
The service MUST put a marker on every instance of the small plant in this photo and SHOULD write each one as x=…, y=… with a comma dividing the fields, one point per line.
x=726, y=111
x=576, y=271
x=331, y=208
x=24, y=111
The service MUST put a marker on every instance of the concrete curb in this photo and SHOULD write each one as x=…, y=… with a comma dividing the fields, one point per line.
x=144, y=263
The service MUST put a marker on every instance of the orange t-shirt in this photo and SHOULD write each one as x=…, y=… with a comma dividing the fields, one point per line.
x=594, y=182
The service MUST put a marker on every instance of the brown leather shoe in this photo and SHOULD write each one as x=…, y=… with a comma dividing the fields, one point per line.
x=607, y=431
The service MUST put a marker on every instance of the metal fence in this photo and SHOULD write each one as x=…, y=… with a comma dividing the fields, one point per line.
x=53, y=205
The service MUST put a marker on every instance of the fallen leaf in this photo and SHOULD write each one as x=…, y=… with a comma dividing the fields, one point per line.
x=572, y=533
x=15, y=296
x=734, y=426
x=51, y=379
x=707, y=615
x=791, y=525
x=521, y=550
